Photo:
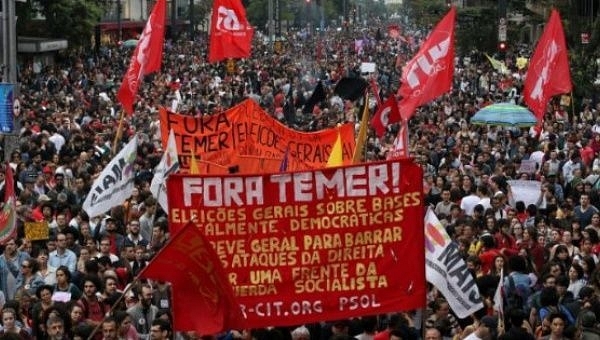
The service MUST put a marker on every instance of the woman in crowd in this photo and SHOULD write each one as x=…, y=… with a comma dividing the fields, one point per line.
x=46, y=271
x=499, y=266
x=76, y=314
x=516, y=230
x=44, y=303
x=589, y=266
x=560, y=255
x=576, y=279
x=536, y=250
x=126, y=329
x=64, y=284
x=29, y=278
x=9, y=325
x=441, y=317
x=567, y=240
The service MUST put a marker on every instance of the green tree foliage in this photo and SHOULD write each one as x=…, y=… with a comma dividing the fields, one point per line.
x=73, y=20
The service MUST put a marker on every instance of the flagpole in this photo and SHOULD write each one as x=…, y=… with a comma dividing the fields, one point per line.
x=119, y=133
x=573, y=106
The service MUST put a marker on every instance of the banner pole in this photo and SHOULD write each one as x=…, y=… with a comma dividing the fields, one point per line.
x=119, y=133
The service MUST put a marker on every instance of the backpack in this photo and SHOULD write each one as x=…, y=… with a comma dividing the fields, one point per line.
x=517, y=295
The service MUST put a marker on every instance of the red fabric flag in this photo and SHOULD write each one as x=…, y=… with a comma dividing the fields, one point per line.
x=146, y=58
x=8, y=214
x=203, y=299
x=400, y=147
x=429, y=73
x=230, y=32
x=386, y=114
x=548, y=73
x=394, y=31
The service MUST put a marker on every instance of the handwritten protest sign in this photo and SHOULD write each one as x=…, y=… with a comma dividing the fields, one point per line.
x=526, y=191
x=315, y=245
x=37, y=231
x=246, y=138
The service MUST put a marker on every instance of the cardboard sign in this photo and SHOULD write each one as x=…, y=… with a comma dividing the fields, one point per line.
x=35, y=231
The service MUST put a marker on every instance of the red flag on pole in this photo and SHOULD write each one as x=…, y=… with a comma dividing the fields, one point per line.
x=548, y=73
x=230, y=32
x=429, y=73
x=203, y=299
x=386, y=114
x=146, y=58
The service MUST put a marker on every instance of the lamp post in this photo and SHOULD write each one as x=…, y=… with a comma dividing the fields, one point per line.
x=9, y=46
x=119, y=22
x=191, y=20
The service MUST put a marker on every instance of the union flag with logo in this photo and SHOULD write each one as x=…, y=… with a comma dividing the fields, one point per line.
x=230, y=32
x=146, y=58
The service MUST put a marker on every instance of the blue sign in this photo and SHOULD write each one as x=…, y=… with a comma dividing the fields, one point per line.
x=7, y=100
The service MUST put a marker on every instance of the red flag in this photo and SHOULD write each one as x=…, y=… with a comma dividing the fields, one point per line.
x=394, y=31
x=8, y=220
x=230, y=32
x=429, y=73
x=203, y=299
x=400, y=148
x=548, y=73
x=146, y=58
x=386, y=114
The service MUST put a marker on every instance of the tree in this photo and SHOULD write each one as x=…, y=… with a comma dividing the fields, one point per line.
x=73, y=20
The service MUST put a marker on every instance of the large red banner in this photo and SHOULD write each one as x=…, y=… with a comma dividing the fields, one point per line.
x=249, y=139
x=315, y=245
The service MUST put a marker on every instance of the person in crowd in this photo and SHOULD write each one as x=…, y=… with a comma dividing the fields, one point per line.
x=29, y=279
x=12, y=259
x=48, y=273
x=94, y=310
x=125, y=324
x=110, y=330
x=63, y=256
x=64, y=285
x=441, y=317
x=9, y=324
x=44, y=303
x=144, y=312
x=56, y=328
x=160, y=330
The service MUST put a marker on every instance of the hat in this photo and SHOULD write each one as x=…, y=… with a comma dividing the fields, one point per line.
x=47, y=170
x=490, y=322
x=498, y=194
x=43, y=198
x=109, y=218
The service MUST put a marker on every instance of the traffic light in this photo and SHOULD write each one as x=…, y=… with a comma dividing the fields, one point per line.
x=502, y=46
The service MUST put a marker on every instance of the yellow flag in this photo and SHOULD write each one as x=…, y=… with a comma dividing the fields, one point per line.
x=194, y=170
x=361, y=139
x=336, y=158
x=498, y=65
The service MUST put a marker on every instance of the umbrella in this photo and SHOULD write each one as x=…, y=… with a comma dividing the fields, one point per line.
x=130, y=43
x=504, y=114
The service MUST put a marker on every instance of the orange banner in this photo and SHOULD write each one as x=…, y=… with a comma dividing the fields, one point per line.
x=245, y=139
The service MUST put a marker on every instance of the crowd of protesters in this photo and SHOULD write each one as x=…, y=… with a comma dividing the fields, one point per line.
x=64, y=286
